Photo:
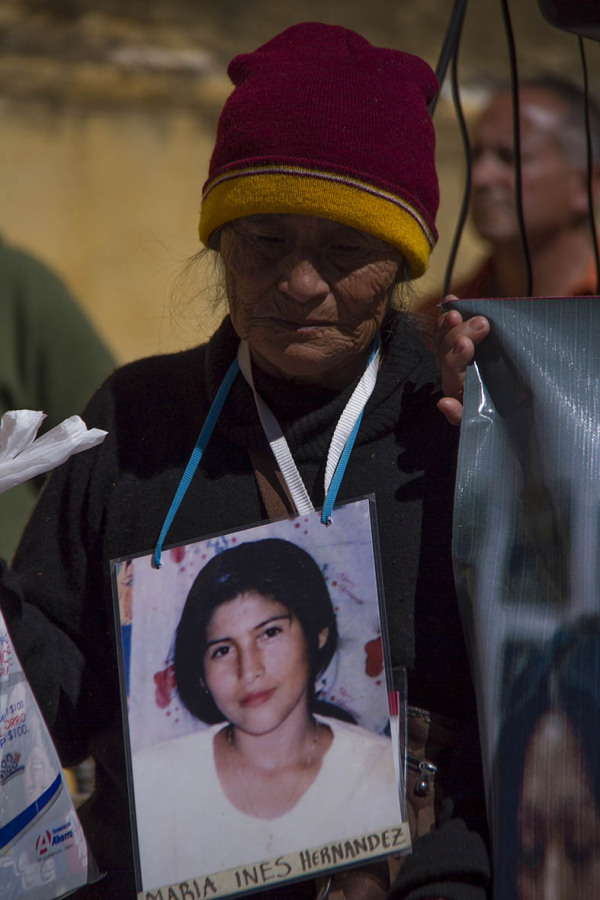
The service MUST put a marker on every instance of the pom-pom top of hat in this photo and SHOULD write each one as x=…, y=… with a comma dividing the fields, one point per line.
x=321, y=122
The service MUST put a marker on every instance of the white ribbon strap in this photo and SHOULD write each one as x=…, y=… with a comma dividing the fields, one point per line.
x=352, y=411
x=343, y=429
x=276, y=440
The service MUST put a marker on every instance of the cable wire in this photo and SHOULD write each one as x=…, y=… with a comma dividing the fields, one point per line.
x=514, y=87
x=589, y=161
x=464, y=210
x=449, y=47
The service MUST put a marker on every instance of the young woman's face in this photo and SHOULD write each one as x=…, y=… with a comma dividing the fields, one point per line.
x=559, y=822
x=256, y=663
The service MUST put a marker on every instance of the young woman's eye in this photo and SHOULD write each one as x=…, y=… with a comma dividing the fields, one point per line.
x=220, y=652
x=580, y=854
x=272, y=631
x=531, y=857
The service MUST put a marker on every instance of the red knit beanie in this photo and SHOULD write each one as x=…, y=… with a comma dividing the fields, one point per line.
x=322, y=123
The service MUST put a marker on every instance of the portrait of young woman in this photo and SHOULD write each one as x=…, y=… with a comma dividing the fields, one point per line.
x=275, y=768
x=547, y=769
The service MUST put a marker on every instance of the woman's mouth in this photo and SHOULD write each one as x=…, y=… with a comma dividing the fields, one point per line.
x=304, y=326
x=257, y=698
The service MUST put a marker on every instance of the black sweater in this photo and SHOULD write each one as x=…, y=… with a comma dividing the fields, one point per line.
x=111, y=501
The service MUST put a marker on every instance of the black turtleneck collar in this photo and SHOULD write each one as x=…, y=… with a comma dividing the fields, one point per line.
x=308, y=413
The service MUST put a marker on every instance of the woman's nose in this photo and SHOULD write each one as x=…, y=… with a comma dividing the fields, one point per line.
x=250, y=664
x=302, y=279
x=554, y=875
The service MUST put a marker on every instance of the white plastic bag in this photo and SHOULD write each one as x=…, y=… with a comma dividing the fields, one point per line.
x=23, y=456
x=43, y=850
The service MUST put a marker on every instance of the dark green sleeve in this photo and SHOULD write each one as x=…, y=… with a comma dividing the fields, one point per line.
x=57, y=601
x=51, y=359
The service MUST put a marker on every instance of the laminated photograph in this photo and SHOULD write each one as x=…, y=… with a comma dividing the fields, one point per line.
x=255, y=682
x=526, y=560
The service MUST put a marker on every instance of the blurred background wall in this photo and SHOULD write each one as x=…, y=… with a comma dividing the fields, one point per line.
x=108, y=110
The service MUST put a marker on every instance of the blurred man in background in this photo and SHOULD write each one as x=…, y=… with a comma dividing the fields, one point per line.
x=554, y=193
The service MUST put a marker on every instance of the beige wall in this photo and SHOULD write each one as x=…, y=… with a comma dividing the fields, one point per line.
x=108, y=191
x=111, y=201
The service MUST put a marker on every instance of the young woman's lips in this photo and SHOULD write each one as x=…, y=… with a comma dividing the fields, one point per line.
x=257, y=698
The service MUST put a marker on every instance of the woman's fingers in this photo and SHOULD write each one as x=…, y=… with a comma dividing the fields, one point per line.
x=451, y=409
x=455, y=348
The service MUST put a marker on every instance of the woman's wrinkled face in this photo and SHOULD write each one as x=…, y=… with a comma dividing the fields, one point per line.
x=559, y=827
x=256, y=663
x=307, y=294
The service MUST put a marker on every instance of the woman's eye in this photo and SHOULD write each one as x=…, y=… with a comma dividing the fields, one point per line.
x=581, y=854
x=270, y=241
x=272, y=631
x=347, y=248
x=220, y=652
x=271, y=238
x=348, y=254
x=531, y=857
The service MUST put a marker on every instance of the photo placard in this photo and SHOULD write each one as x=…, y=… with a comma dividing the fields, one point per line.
x=527, y=567
x=255, y=679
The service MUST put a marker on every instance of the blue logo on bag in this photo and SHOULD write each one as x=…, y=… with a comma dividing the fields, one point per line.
x=10, y=766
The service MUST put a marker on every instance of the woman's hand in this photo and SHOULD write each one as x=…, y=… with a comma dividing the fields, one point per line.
x=455, y=343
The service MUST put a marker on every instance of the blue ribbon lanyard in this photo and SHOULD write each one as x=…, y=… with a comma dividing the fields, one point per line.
x=199, y=448
x=338, y=454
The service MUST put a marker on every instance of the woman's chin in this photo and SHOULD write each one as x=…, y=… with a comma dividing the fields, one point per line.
x=309, y=363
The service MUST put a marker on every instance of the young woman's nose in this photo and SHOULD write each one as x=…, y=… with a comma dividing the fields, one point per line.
x=554, y=875
x=302, y=279
x=250, y=664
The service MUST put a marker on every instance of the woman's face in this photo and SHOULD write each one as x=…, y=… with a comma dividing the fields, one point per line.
x=559, y=828
x=307, y=294
x=256, y=663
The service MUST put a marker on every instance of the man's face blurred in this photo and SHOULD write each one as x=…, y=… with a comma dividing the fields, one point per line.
x=553, y=188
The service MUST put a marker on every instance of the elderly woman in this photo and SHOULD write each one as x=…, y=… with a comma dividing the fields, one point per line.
x=320, y=200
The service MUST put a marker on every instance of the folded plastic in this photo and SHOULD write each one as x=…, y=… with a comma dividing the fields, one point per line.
x=23, y=455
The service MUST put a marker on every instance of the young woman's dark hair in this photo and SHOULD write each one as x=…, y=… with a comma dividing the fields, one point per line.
x=273, y=568
x=561, y=676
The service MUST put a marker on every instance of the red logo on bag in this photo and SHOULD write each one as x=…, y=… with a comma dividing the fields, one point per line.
x=43, y=843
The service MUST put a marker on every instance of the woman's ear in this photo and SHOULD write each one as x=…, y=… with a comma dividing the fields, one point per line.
x=323, y=635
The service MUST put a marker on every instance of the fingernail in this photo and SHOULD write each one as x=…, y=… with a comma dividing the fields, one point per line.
x=477, y=324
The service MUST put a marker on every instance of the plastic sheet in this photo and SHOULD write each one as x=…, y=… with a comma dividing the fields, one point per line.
x=526, y=535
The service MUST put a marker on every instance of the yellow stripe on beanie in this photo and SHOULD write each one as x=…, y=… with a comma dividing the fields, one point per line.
x=293, y=190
